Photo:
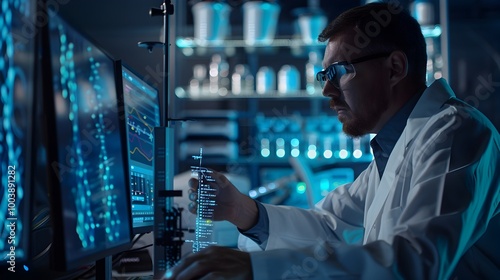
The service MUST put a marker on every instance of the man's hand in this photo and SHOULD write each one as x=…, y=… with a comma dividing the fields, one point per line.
x=232, y=205
x=213, y=263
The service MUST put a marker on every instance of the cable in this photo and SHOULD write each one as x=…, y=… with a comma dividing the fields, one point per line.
x=46, y=217
x=116, y=258
x=138, y=249
x=35, y=258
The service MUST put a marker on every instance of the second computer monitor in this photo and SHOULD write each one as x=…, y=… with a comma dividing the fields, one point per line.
x=142, y=113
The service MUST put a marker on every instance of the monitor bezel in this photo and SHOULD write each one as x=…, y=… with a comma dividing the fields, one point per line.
x=58, y=257
x=148, y=228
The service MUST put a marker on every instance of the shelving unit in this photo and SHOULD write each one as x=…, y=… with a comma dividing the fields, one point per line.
x=190, y=42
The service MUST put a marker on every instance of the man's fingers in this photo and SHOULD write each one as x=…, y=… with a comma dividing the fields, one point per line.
x=213, y=276
x=193, y=196
x=191, y=267
x=193, y=183
x=192, y=207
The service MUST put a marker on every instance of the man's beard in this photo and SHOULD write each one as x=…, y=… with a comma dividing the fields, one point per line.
x=357, y=126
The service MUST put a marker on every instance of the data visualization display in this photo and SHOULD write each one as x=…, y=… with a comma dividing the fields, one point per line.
x=17, y=68
x=142, y=113
x=89, y=175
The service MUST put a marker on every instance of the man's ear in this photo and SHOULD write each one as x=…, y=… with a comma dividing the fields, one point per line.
x=398, y=63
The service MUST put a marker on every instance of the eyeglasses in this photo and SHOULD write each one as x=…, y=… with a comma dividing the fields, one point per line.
x=343, y=71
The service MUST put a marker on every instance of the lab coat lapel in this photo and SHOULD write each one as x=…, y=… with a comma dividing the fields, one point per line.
x=429, y=103
x=385, y=185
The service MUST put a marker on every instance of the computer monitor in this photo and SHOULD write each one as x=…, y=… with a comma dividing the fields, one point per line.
x=142, y=115
x=17, y=75
x=86, y=151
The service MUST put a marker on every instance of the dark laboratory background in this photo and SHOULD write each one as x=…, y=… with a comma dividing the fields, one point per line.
x=259, y=114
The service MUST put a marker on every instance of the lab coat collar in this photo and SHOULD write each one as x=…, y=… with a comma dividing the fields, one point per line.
x=431, y=101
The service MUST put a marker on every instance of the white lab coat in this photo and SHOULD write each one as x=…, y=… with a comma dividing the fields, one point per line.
x=434, y=214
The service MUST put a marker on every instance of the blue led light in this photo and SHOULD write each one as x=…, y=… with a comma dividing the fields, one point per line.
x=357, y=154
x=280, y=153
x=343, y=154
x=327, y=154
x=325, y=184
x=280, y=142
x=301, y=187
x=265, y=152
x=311, y=152
x=252, y=193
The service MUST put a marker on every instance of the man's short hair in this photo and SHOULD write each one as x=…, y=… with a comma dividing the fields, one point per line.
x=382, y=27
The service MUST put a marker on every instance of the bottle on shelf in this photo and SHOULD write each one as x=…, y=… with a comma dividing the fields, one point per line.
x=218, y=72
x=199, y=84
x=260, y=20
x=313, y=66
x=211, y=22
x=242, y=80
x=288, y=79
x=266, y=80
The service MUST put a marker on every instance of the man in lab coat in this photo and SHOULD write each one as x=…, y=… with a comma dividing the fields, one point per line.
x=427, y=206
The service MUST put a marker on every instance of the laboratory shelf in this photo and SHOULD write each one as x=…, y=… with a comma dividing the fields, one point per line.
x=181, y=92
x=431, y=31
x=190, y=42
x=271, y=161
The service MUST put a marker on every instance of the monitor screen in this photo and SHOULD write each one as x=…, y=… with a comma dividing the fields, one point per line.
x=88, y=169
x=142, y=114
x=17, y=71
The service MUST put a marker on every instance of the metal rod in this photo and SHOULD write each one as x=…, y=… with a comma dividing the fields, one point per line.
x=166, y=97
x=443, y=19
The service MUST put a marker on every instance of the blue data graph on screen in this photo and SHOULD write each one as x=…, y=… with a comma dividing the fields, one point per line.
x=143, y=114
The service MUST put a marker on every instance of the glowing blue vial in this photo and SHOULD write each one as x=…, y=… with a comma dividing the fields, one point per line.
x=343, y=154
x=280, y=147
x=327, y=154
x=311, y=152
x=357, y=154
x=264, y=147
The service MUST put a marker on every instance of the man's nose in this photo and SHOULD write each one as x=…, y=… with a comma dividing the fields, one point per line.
x=329, y=90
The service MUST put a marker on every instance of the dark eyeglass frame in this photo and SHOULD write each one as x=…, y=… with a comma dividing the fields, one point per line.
x=329, y=73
